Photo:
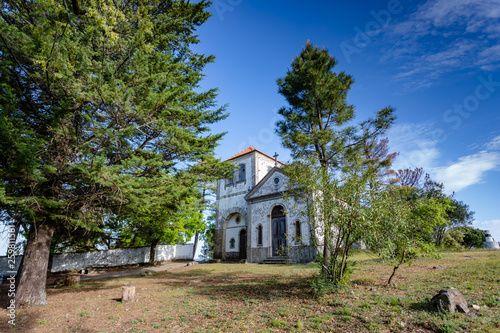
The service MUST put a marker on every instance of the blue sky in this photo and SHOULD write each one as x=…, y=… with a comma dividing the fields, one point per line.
x=437, y=62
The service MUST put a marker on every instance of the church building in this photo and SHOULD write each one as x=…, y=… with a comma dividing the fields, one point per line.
x=254, y=221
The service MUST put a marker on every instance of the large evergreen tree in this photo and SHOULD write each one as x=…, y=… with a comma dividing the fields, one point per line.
x=337, y=163
x=99, y=108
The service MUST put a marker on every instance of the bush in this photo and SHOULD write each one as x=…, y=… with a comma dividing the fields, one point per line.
x=473, y=237
x=453, y=238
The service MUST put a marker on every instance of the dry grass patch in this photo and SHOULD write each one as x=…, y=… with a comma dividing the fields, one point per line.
x=262, y=298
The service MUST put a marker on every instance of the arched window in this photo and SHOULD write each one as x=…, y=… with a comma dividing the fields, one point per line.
x=259, y=234
x=298, y=233
x=231, y=243
x=278, y=211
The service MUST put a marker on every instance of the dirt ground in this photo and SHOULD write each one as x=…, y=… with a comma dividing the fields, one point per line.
x=268, y=298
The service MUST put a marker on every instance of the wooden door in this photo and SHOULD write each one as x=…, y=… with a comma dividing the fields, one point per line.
x=278, y=237
x=243, y=244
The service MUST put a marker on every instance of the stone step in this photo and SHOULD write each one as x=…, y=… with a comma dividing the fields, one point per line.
x=277, y=260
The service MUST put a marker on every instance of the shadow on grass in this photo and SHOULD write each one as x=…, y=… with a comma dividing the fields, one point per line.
x=420, y=306
x=237, y=285
x=192, y=272
x=85, y=286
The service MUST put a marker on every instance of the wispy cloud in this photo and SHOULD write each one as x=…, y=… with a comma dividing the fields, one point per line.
x=442, y=36
x=448, y=18
x=417, y=146
x=494, y=144
x=468, y=170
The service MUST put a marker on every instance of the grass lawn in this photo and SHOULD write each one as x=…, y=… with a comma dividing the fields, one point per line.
x=271, y=298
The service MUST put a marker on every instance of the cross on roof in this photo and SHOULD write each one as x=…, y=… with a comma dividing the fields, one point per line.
x=276, y=159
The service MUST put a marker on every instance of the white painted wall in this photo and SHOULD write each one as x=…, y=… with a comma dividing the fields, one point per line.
x=233, y=231
x=233, y=196
x=263, y=165
x=111, y=258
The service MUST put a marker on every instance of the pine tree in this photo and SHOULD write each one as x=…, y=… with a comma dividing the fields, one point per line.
x=336, y=163
x=100, y=106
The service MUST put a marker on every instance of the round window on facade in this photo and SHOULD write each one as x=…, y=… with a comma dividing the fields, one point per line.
x=276, y=181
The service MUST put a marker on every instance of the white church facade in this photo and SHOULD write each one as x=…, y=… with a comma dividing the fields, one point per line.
x=254, y=220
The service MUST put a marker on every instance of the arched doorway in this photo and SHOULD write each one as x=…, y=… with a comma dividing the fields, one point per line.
x=278, y=225
x=243, y=244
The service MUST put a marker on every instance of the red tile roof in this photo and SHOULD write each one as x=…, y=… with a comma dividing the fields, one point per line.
x=249, y=150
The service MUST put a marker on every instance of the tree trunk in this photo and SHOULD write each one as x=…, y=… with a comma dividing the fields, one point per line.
x=203, y=201
x=33, y=273
x=51, y=261
x=396, y=267
x=196, y=236
x=152, y=252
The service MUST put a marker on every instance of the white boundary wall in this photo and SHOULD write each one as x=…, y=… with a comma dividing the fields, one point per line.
x=110, y=258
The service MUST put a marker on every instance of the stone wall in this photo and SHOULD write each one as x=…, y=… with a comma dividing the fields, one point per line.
x=261, y=215
x=110, y=258
x=302, y=254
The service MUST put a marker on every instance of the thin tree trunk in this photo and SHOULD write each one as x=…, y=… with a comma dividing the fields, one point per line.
x=51, y=261
x=152, y=252
x=32, y=276
x=196, y=236
x=203, y=201
x=396, y=267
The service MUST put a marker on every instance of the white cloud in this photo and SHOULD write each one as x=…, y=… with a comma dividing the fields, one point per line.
x=467, y=171
x=461, y=15
x=415, y=144
x=442, y=36
x=492, y=225
x=494, y=144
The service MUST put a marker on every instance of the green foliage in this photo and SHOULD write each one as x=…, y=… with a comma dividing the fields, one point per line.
x=112, y=90
x=207, y=250
x=334, y=171
x=453, y=238
x=322, y=285
x=101, y=113
x=278, y=323
x=344, y=311
x=408, y=216
x=473, y=238
x=163, y=224
x=457, y=214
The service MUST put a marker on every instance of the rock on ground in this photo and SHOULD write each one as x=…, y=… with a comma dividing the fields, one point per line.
x=449, y=300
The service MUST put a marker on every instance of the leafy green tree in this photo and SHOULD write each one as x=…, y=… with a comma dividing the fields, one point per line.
x=208, y=172
x=453, y=238
x=407, y=216
x=208, y=236
x=332, y=170
x=458, y=213
x=473, y=238
x=162, y=224
x=100, y=108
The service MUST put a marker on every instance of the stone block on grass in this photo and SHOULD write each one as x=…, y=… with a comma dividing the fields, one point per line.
x=449, y=300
